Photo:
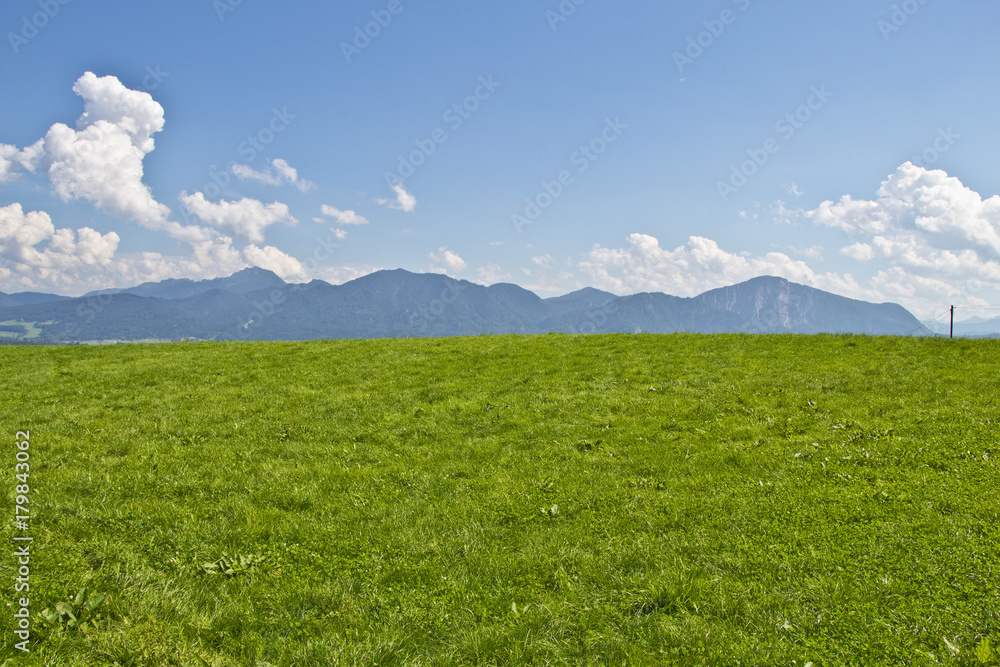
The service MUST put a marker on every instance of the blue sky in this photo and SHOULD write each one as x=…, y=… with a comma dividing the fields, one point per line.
x=631, y=146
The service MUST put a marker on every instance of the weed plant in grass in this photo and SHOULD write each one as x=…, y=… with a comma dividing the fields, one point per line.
x=617, y=500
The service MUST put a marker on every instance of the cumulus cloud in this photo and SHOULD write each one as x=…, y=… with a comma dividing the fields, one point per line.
x=918, y=201
x=101, y=160
x=445, y=260
x=272, y=259
x=280, y=173
x=247, y=218
x=937, y=237
x=859, y=251
x=698, y=266
x=342, y=217
x=8, y=162
x=34, y=253
x=404, y=200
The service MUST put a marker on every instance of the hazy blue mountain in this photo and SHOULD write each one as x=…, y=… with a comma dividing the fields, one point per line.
x=585, y=299
x=257, y=305
x=247, y=280
x=28, y=298
x=775, y=305
x=973, y=327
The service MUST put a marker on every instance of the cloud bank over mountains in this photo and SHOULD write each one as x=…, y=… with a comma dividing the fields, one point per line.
x=100, y=161
x=924, y=239
x=930, y=240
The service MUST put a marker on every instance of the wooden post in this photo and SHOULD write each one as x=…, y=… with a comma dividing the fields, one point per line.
x=952, y=335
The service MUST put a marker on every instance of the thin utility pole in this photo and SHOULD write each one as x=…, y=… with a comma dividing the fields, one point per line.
x=952, y=335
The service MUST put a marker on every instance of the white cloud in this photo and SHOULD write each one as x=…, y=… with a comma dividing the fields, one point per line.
x=8, y=156
x=793, y=189
x=859, y=251
x=916, y=200
x=101, y=161
x=66, y=259
x=812, y=252
x=272, y=259
x=492, y=274
x=337, y=275
x=245, y=172
x=545, y=260
x=247, y=218
x=935, y=236
x=404, y=200
x=342, y=217
x=448, y=261
x=698, y=266
x=282, y=174
x=291, y=175
x=782, y=214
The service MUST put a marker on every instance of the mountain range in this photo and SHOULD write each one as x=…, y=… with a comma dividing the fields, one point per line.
x=973, y=327
x=256, y=304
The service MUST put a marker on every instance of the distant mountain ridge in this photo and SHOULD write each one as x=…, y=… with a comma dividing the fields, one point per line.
x=256, y=304
x=974, y=327
x=28, y=298
x=241, y=282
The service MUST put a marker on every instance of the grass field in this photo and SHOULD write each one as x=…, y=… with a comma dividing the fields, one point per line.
x=691, y=500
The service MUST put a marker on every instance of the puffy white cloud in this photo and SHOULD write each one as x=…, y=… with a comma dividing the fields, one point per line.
x=919, y=201
x=859, y=251
x=66, y=259
x=342, y=217
x=101, y=160
x=698, y=266
x=133, y=112
x=445, y=260
x=8, y=154
x=938, y=239
x=247, y=218
x=902, y=285
x=404, y=200
x=272, y=259
x=102, y=165
x=283, y=173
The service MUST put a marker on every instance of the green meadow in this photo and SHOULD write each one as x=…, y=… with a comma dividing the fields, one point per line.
x=546, y=500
